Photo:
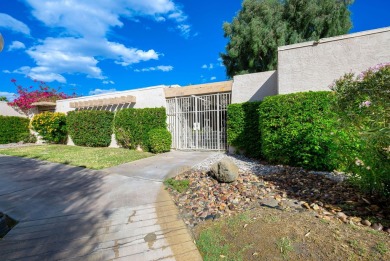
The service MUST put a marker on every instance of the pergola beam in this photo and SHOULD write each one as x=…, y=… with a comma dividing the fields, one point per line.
x=103, y=102
x=200, y=89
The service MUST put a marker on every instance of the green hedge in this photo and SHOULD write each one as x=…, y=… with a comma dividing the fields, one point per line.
x=298, y=129
x=13, y=129
x=90, y=128
x=243, y=128
x=133, y=125
x=160, y=140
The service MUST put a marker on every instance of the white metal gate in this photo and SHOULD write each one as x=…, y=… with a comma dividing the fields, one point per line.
x=199, y=122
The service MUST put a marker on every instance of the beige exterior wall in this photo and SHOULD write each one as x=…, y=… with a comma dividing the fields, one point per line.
x=254, y=86
x=314, y=66
x=151, y=97
x=6, y=110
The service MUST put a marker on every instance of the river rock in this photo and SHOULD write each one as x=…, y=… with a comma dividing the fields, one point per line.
x=342, y=216
x=279, y=187
x=377, y=226
x=314, y=206
x=269, y=202
x=225, y=170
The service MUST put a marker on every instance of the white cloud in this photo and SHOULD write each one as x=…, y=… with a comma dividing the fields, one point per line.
x=15, y=45
x=57, y=56
x=86, y=23
x=61, y=56
x=83, y=43
x=213, y=78
x=40, y=74
x=95, y=18
x=210, y=66
x=213, y=65
x=184, y=29
x=9, y=95
x=220, y=61
x=126, y=56
x=163, y=68
x=203, y=79
x=6, y=71
x=10, y=23
x=160, y=19
x=179, y=16
x=108, y=82
x=101, y=91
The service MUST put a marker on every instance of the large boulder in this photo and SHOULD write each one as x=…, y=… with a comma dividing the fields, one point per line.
x=224, y=170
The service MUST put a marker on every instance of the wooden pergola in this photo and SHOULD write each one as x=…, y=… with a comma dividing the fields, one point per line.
x=103, y=102
x=199, y=89
x=44, y=106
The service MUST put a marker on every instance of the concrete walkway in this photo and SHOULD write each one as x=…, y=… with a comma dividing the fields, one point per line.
x=120, y=213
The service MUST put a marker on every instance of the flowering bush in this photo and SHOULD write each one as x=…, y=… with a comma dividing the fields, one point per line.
x=363, y=105
x=27, y=96
x=51, y=126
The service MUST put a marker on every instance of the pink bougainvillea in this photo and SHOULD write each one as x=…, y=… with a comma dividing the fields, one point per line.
x=27, y=96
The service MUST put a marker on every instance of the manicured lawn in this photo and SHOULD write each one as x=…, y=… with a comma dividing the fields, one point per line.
x=93, y=158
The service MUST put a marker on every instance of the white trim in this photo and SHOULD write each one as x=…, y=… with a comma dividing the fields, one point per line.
x=333, y=39
x=111, y=93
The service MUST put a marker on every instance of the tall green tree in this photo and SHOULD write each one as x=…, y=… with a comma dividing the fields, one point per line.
x=3, y=98
x=314, y=19
x=262, y=25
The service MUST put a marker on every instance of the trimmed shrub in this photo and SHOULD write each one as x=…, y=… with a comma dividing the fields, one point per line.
x=298, y=130
x=132, y=126
x=51, y=126
x=90, y=128
x=27, y=137
x=362, y=102
x=123, y=137
x=243, y=128
x=160, y=140
x=11, y=128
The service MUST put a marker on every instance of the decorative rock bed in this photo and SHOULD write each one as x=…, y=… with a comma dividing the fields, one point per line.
x=281, y=187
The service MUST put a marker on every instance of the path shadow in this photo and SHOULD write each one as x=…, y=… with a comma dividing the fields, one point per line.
x=61, y=209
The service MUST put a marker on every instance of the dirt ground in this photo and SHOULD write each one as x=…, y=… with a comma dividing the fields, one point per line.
x=271, y=234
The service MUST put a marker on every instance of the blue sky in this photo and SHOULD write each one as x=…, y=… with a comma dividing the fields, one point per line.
x=95, y=46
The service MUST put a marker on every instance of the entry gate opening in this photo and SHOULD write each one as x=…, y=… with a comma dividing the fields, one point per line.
x=198, y=122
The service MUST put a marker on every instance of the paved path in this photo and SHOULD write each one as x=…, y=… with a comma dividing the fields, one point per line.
x=120, y=213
